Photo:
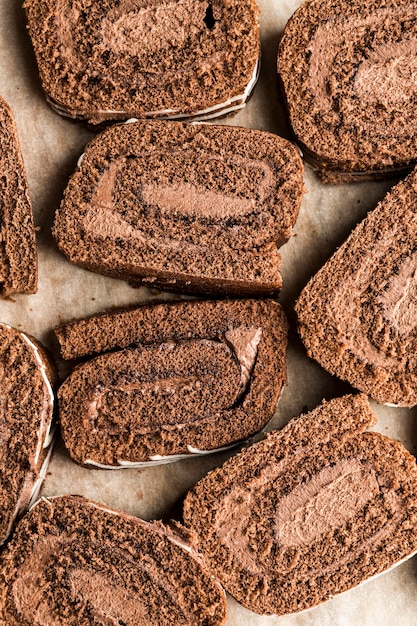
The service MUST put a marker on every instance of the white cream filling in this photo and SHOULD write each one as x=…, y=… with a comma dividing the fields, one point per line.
x=158, y=459
x=398, y=406
x=46, y=431
x=42, y=475
x=21, y=503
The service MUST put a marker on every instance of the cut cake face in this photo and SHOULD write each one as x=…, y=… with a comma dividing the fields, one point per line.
x=74, y=562
x=349, y=78
x=18, y=256
x=108, y=60
x=187, y=378
x=183, y=207
x=26, y=428
x=358, y=315
x=309, y=512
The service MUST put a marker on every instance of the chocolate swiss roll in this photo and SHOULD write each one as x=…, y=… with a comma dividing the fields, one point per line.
x=309, y=512
x=18, y=257
x=349, y=76
x=358, y=315
x=182, y=207
x=26, y=430
x=176, y=379
x=74, y=562
x=99, y=61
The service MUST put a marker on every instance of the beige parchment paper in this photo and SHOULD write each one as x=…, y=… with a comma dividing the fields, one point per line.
x=51, y=146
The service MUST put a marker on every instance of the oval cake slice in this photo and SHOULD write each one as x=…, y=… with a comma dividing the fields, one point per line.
x=183, y=206
x=74, y=562
x=309, y=512
x=349, y=76
x=358, y=315
x=186, y=378
x=18, y=256
x=26, y=432
x=99, y=61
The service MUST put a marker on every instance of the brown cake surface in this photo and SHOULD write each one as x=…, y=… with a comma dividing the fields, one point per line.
x=26, y=411
x=18, y=258
x=108, y=60
x=358, y=315
x=181, y=206
x=309, y=512
x=349, y=76
x=196, y=376
x=74, y=562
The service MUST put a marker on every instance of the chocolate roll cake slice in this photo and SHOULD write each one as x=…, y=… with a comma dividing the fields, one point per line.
x=74, y=562
x=18, y=257
x=358, y=315
x=197, y=376
x=183, y=207
x=309, y=512
x=26, y=432
x=349, y=76
x=99, y=61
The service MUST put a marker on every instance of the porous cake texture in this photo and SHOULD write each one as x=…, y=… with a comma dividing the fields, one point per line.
x=113, y=60
x=309, y=512
x=27, y=375
x=74, y=562
x=183, y=207
x=358, y=315
x=178, y=378
x=349, y=77
x=18, y=256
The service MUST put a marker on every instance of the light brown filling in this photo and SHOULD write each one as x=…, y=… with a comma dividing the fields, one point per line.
x=244, y=342
x=104, y=222
x=110, y=605
x=182, y=197
x=28, y=592
x=142, y=30
x=387, y=76
x=400, y=299
x=185, y=199
x=328, y=500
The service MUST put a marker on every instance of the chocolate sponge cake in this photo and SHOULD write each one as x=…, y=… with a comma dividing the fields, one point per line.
x=357, y=316
x=349, y=76
x=309, y=512
x=74, y=562
x=18, y=258
x=111, y=60
x=185, y=207
x=26, y=432
x=178, y=378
